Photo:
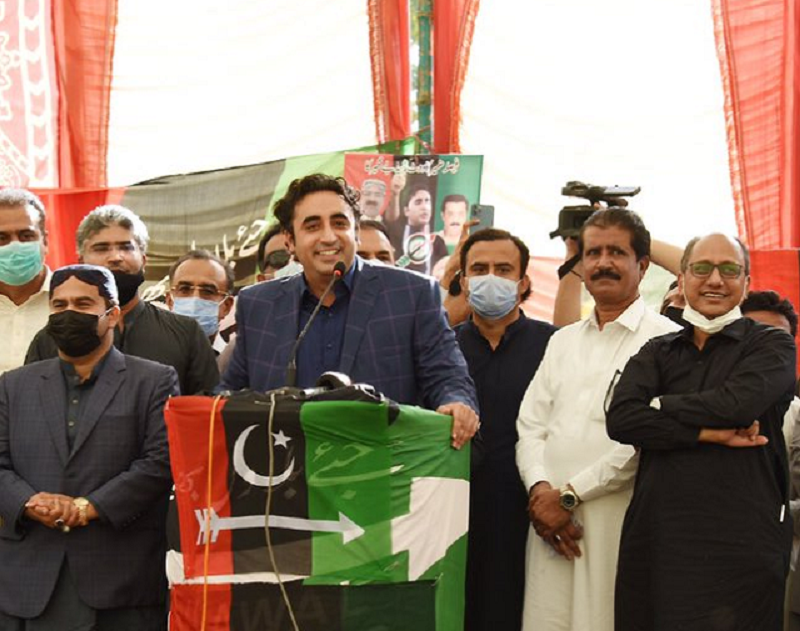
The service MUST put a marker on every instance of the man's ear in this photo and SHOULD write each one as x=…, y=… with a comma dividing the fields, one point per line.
x=644, y=263
x=462, y=279
x=680, y=284
x=524, y=285
x=168, y=299
x=225, y=307
x=746, y=289
x=289, y=242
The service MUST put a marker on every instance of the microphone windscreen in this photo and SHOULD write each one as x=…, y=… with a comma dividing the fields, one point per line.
x=339, y=269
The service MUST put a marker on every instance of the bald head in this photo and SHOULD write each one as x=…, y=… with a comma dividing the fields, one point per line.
x=715, y=274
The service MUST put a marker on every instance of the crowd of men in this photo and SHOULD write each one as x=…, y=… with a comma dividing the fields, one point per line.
x=634, y=469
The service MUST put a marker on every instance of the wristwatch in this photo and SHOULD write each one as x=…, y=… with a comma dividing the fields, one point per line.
x=568, y=499
x=82, y=504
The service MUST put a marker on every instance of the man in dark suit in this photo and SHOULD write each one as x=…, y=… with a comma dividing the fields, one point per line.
x=379, y=325
x=84, y=473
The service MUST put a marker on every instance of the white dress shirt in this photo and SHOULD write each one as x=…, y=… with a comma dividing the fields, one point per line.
x=562, y=423
x=20, y=323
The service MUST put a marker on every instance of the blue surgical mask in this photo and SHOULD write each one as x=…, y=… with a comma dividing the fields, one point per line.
x=20, y=262
x=492, y=297
x=206, y=312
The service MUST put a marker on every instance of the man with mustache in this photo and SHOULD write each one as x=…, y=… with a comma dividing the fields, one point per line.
x=373, y=194
x=707, y=536
x=114, y=237
x=579, y=481
x=454, y=216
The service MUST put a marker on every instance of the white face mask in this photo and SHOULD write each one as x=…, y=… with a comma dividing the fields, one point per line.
x=713, y=325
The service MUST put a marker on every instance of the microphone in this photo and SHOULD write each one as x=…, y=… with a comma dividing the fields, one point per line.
x=291, y=370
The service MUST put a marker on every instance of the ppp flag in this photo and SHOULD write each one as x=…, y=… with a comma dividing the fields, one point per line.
x=368, y=515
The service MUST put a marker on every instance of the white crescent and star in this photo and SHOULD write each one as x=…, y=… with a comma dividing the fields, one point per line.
x=246, y=473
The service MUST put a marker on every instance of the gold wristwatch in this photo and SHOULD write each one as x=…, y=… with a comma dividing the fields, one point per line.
x=82, y=504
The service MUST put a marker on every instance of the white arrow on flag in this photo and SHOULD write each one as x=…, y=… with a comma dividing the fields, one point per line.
x=349, y=529
x=438, y=517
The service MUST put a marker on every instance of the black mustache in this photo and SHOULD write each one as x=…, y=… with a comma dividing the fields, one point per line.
x=606, y=273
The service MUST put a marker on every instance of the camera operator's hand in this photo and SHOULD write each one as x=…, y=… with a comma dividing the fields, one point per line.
x=567, y=308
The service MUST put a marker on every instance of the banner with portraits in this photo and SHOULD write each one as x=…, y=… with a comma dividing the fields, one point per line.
x=422, y=200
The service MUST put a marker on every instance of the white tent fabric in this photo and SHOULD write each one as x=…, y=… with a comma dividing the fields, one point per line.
x=203, y=84
x=614, y=92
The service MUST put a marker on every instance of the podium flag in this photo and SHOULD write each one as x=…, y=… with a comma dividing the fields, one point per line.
x=367, y=521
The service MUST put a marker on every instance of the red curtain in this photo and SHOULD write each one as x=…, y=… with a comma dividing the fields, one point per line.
x=453, y=27
x=389, y=50
x=757, y=44
x=758, y=53
x=84, y=46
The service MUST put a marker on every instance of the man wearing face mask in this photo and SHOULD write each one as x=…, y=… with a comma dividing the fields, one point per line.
x=201, y=287
x=84, y=473
x=579, y=481
x=503, y=349
x=707, y=536
x=24, y=277
x=116, y=238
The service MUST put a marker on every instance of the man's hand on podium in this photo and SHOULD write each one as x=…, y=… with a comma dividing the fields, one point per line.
x=465, y=422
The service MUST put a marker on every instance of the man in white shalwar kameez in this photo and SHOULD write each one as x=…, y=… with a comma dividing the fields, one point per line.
x=579, y=480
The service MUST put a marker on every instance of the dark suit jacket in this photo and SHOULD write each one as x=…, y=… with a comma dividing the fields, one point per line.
x=119, y=461
x=396, y=338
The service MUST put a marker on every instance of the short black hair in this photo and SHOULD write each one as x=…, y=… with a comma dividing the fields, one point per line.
x=314, y=183
x=415, y=188
x=205, y=255
x=495, y=234
x=620, y=218
x=687, y=254
x=371, y=224
x=273, y=230
x=454, y=199
x=771, y=301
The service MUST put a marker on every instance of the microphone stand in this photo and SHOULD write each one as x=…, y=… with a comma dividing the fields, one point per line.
x=291, y=370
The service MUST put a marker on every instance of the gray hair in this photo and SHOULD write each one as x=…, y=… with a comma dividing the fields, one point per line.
x=14, y=197
x=112, y=215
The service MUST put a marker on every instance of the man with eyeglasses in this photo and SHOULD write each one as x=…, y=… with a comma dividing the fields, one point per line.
x=114, y=237
x=201, y=287
x=707, y=536
x=273, y=256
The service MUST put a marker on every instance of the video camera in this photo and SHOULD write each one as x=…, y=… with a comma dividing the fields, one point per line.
x=571, y=218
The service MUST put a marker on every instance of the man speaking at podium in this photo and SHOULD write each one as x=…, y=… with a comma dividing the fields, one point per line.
x=379, y=325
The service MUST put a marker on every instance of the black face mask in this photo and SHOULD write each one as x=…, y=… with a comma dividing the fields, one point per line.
x=127, y=285
x=74, y=333
x=675, y=314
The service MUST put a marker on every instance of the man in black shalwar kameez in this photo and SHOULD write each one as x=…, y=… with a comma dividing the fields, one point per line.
x=706, y=539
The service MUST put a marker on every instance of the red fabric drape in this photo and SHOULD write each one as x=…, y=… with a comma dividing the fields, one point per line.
x=453, y=27
x=757, y=46
x=389, y=37
x=84, y=45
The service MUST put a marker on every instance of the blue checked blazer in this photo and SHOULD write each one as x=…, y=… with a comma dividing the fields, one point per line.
x=119, y=461
x=396, y=338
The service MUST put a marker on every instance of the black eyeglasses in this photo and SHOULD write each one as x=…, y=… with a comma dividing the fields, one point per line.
x=277, y=259
x=206, y=292
x=704, y=269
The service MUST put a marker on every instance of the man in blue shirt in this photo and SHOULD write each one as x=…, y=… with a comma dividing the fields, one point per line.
x=380, y=325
